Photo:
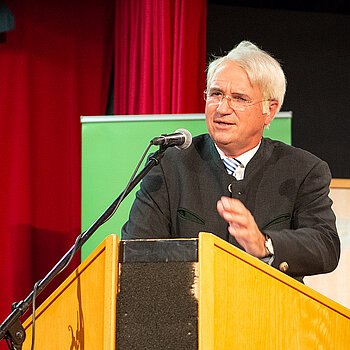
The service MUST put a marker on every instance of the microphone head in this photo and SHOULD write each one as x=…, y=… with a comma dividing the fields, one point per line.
x=188, y=138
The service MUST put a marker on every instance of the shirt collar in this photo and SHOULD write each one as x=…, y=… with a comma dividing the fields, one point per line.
x=243, y=158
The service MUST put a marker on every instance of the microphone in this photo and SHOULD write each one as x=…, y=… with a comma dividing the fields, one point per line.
x=181, y=139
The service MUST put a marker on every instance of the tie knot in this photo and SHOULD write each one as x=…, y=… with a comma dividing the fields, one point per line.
x=231, y=164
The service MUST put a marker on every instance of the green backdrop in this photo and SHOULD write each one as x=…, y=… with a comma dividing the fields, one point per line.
x=111, y=149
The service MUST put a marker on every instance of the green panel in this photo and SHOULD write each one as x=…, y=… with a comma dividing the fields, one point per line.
x=280, y=129
x=111, y=151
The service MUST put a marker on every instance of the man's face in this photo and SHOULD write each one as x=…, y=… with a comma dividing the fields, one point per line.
x=233, y=131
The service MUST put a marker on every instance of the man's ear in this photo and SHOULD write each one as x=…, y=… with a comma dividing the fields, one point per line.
x=273, y=105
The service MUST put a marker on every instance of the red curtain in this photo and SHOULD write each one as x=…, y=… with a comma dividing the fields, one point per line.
x=160, y=56
x=54, y=67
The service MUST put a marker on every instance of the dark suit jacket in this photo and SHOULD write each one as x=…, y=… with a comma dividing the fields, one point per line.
x=285, y=188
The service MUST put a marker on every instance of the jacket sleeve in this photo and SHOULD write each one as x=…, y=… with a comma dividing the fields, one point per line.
x=312, y=244
x=150, y=214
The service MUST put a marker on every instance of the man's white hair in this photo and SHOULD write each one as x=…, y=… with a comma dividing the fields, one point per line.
x=263, y=71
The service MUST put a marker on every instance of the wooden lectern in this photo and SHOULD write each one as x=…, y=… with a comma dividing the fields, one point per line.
x=185, y=294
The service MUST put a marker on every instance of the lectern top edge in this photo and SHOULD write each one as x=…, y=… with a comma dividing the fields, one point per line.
x=161, y=250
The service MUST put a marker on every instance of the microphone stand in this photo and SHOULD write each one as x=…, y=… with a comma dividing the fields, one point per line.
x=12, y=328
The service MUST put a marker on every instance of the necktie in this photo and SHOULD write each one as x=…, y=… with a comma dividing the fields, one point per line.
x=231, y=164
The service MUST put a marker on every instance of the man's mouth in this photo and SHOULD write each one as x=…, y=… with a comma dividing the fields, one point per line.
x=223, y=123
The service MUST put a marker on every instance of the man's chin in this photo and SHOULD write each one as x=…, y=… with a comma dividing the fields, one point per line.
x=222, y=140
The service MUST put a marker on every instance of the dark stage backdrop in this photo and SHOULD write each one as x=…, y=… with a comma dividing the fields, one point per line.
x=314, y=51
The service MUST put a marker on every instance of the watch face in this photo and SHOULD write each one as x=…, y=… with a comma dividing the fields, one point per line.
x=269, y=246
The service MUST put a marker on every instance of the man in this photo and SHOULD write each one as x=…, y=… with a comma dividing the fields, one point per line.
x=274, y=205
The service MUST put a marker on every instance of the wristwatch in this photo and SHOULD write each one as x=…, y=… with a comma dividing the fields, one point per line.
x=269, y=246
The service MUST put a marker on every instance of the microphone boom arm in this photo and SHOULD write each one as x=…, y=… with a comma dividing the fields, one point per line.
x=12, y=328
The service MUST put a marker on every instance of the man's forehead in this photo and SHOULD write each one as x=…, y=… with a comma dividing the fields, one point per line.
x=234, y=85
x=230, y=73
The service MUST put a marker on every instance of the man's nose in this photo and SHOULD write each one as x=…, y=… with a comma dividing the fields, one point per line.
x=224, y=105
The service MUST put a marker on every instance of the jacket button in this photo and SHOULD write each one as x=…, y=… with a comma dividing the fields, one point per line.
x=229, y=187
x=284, y=266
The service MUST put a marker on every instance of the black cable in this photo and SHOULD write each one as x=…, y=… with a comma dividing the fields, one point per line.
x=9, y=344
x=33, y=305
x=130, y=181
x=75, y=247
x=115, y=209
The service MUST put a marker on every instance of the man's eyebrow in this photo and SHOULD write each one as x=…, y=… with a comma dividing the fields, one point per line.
x=215, y=88
x=233, y=93
x=240, y=94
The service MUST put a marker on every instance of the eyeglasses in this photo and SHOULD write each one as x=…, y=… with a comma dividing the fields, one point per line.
x=237, y=103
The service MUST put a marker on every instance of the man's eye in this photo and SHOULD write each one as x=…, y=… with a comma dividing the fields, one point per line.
x=239, y=99
x=215, y=93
